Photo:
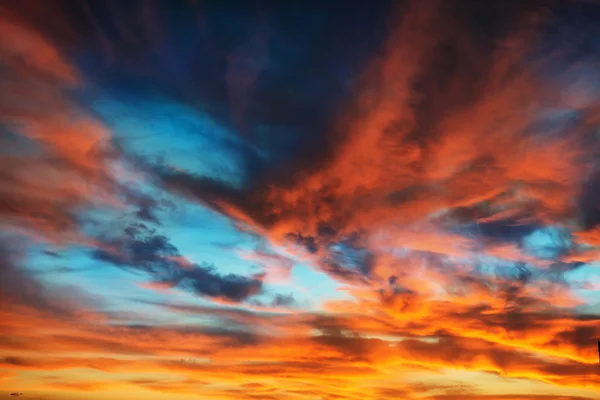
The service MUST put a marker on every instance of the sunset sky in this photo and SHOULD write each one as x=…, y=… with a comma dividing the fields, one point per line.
x=278, y=200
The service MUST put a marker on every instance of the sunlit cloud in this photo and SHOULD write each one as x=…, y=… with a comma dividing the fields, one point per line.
x=299, y=201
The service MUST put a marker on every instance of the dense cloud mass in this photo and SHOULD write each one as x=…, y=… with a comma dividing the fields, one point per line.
x=138, y=247
x=272, y=200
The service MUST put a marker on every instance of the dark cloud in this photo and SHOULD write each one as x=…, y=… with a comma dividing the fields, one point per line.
x=205, y=280
x=278, y=300
x=352, y=253
x=353, y=346
x=145, y=206
x=51, y=253
x=308, y=242
x=230, y=334
x=283, y=300
x=557, y=270
x=506, y=230
x=140, y=248
x=582, y=337
x=471, y=221
x=208, y=191
x=230, y=337
x=589, y=203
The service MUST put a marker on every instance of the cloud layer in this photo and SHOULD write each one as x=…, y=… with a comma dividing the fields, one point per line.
x=299, y=201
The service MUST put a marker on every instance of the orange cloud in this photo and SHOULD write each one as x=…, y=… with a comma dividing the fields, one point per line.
x=58, y=162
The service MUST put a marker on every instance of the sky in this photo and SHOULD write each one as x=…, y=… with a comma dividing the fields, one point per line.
x=266, y=200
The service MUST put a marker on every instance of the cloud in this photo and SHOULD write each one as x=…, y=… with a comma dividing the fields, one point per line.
x=58, y=162
x=282, y=300
x=207, y=281
x=590, y=212
x=406, y=169
x=509, y=397
x=139, y=247
x=322, y=363
x=437, y=166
